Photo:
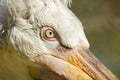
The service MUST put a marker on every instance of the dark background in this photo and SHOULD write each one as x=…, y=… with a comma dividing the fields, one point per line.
x=101, y=21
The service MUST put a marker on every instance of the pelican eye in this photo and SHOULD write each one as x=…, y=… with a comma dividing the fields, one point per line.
x=48, y=33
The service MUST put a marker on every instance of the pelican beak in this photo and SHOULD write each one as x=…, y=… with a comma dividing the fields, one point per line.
x=77, y=64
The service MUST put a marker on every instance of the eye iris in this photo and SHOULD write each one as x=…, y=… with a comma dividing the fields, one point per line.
x=49, y=34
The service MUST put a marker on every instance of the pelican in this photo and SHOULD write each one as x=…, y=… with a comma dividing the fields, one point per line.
x=44, y=40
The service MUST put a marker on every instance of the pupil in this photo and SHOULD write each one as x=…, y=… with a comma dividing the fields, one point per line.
x=50, y=33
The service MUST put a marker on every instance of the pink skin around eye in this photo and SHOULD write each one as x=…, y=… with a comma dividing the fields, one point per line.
x=43, y=34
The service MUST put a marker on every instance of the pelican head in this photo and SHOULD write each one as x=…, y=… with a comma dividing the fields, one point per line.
x=48, y=41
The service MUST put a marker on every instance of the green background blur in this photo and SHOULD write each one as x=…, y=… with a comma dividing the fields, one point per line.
x=101, y=21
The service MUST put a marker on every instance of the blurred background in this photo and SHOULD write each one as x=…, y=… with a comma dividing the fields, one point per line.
x=101, y=21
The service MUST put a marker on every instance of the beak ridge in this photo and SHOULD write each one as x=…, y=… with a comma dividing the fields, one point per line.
x=63, y=68
x=79, y=64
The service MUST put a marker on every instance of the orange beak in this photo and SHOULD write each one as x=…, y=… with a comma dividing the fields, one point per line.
x=77, y=64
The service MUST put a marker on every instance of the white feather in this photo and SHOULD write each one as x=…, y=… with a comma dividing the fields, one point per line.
x=25, y=18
